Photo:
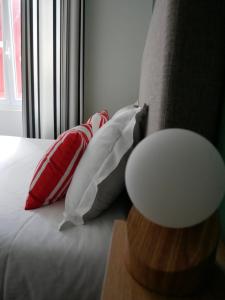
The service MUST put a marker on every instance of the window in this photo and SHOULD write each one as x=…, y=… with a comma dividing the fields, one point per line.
x=2, y=85
x=10, y=54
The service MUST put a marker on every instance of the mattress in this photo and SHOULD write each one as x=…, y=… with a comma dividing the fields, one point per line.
x=37, y=261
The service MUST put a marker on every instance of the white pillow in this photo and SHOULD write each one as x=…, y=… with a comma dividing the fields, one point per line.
x=99, y=178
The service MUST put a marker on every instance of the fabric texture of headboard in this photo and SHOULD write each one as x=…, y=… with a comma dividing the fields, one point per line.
x=183, y=66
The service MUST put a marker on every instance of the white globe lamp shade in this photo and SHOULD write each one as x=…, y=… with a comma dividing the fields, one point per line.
x=175, y=178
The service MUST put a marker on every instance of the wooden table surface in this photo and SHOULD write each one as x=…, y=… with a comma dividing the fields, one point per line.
x=119, y=285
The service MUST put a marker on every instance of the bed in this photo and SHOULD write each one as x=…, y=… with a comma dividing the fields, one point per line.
x=37, y=261
x=182, y=80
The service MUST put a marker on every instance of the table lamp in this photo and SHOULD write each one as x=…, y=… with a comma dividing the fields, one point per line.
x=175, y=179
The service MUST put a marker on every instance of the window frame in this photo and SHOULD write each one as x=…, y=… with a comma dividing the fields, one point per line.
x=10, y=101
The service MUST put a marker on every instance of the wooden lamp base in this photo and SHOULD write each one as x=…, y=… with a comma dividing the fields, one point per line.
x=173, y=262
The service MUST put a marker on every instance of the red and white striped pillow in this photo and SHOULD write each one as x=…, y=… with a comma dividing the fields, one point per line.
x=98, y=119
x=54, y=172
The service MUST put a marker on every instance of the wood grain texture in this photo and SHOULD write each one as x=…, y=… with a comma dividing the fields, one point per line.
x=220, y=256
x=170, y=261
x=120, y=285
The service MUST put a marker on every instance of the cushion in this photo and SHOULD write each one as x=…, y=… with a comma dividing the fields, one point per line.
x=54, y=172
x=100, y=175
x=97, y=120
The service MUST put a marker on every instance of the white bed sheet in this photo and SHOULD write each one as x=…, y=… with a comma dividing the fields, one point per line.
x=38, y=262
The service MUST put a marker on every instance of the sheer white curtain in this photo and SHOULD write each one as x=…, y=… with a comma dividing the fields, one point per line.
x=52, y=66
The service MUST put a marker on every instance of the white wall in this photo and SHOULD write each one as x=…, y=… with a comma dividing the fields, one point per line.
x=11, y=123
x=115, y=32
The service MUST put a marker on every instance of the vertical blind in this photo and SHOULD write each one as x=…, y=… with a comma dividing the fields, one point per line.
x=52, y=66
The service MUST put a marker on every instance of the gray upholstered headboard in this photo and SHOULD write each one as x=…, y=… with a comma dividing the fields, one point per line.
x=183, y=66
